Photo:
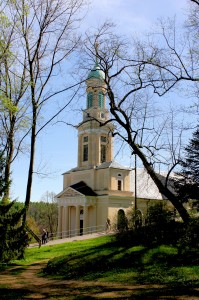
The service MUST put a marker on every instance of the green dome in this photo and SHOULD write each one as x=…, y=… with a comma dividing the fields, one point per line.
x=96, y=72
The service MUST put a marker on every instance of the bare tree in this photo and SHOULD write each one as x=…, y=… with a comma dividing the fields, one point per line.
x=46, y=37
x=170, y=55
x=51, y=211
x=136, y=125
x=12, y=89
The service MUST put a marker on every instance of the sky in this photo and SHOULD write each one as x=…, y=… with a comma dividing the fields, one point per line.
x=57, y=146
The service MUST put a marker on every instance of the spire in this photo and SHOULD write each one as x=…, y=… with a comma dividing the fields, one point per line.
x=96, y=52
x=96, y=72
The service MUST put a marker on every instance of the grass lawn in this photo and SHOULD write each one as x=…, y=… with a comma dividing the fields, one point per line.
x=102, y=268
x=103, y=260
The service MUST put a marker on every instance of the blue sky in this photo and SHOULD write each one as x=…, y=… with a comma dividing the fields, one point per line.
x=57, y=146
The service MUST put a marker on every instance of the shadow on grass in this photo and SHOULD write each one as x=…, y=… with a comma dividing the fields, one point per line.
x=75, y=291
x=111, y=271
x=137, y=265
x=14, y=294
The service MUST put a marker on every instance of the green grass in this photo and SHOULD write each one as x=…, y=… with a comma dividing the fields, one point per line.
x=36, y=254
x=103, y=260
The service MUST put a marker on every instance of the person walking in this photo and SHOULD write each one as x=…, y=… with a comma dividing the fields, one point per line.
x=44, y=236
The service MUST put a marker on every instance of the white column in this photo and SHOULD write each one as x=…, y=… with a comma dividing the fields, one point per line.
x=85, y=227
x=59, y=228
x=77, y=225
x=63, y=223
x=94, y=218
x=67, y=220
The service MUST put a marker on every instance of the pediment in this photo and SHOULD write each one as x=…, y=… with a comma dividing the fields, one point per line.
x=69, y=192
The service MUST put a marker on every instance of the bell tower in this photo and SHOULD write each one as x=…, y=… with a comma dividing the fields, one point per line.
x=95, y=141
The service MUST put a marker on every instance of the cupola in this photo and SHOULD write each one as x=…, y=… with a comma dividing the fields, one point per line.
x=96, y=72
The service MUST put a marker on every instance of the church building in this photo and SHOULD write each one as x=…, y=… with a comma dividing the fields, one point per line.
x=98, y=189
x=95, y=190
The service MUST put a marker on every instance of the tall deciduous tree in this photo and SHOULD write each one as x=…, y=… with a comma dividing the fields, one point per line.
x=13, y=86
x=137, y=123
x=45, y=38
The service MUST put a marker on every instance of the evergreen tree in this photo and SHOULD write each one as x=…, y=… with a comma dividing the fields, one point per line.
x=13, y=236
x=187, y=186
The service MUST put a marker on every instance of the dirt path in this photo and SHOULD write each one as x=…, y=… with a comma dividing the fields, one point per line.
x=25, y=283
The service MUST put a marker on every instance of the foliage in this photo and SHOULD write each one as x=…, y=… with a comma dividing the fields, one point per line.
x=122, y=222
x=159, y=215
x=189, y=236
x=187, y=186
x=45, y=215
x=161, y=228
x=13, y=237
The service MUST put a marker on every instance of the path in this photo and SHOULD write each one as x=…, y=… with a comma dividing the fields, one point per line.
x=24, y=283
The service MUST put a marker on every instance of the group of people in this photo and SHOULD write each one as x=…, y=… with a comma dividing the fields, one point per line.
x=44, y=236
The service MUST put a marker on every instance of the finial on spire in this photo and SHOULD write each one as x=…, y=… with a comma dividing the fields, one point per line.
x=96, y=51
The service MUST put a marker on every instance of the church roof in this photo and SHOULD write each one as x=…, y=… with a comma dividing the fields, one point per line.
x=96, y=72
x=112, y=164
x=83, y=188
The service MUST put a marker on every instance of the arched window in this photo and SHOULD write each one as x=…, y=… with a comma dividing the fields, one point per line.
x=103, y=148
x=85, y=148
x=89, y=100
x=103, y=153
x=101, y=100
x=119, y=185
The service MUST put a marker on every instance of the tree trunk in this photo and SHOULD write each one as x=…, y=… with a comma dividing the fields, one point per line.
x=31, y=163
x=124, y=121
x=161, y=187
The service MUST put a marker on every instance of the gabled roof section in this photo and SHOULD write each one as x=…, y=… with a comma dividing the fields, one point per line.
x=83, y=188
x=112, y=164
x=69, y=192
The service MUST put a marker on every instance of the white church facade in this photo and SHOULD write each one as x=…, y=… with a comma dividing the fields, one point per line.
x=99, y=187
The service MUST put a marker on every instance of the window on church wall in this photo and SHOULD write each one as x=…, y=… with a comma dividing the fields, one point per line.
x=103, y=153
x=103, y=139
x=102, y=115
x=85, y=139
x=85, y=148
x=85, y=152
x=119, y=185
x=101, y=99
x=89, y=100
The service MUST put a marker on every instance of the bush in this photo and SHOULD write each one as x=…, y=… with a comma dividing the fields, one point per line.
x=122, y=223
x=188, y=236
